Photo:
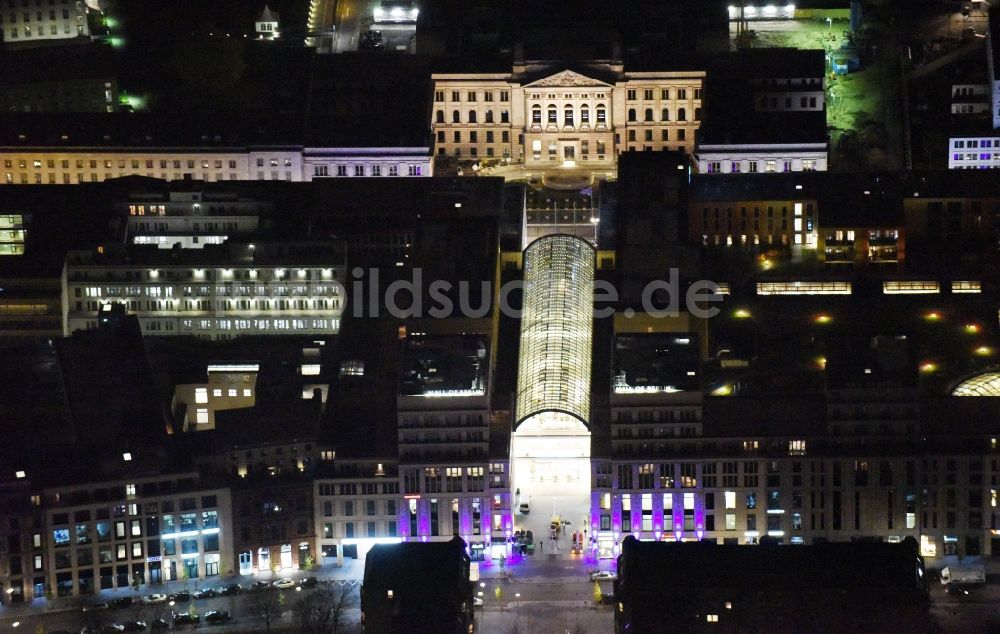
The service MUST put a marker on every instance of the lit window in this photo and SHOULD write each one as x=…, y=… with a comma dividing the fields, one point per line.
x=217, y=392
x=352, y=368
x=232, y=392
x=796, y=447
x=201, y=395
x=202, y=416
x=130, y=489
x=712, y=618
x=247, y=392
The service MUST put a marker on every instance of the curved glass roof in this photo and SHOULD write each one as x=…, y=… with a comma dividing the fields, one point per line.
x=987, y=384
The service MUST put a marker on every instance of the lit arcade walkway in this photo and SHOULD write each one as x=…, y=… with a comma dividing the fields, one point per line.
x=550, y=443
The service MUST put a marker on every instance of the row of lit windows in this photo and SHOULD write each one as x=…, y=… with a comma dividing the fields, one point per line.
x=123, y=163
x=361, y=169
x=664, y=94
x=472, y=96
x=40, y=32
x=736, y=167
x=972, y=144
x=256, y=288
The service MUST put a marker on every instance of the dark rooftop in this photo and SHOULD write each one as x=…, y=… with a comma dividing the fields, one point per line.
x=438, y=365
x=656, y=363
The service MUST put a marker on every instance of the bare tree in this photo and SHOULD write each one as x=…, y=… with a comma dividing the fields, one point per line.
x=323, y=611
x=264, y=604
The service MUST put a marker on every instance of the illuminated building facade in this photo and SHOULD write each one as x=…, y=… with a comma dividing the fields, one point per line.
x=147, y=530
x=189, y=219
x=655, y=397
x=12, y=234
x=229, y=386
x=447, y=482
x=209, y=296
x=55, y=21
x=543, y=116
x=58, y=149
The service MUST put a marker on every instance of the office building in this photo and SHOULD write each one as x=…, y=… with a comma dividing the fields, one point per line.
x=219, y=292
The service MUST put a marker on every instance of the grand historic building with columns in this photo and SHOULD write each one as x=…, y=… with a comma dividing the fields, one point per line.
x=544, y=114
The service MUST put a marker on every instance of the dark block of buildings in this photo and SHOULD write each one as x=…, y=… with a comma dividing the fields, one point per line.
x=825, y=587
x=417, y=587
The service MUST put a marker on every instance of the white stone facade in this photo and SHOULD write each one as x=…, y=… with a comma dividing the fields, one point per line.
x=565, y=118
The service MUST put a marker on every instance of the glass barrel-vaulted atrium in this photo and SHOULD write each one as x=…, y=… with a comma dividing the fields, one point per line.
x=986, y=384
x=550, y=443
x=556, y=328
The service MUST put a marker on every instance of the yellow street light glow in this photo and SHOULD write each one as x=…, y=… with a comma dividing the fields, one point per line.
x=932, y=316
x=741, y=313
x=724, y=390
x=971, y=328
x=984, y=351
x=927, y=367
x=821, y=362
x=823, y=319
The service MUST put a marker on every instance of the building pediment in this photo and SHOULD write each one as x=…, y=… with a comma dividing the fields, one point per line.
x=567, y=79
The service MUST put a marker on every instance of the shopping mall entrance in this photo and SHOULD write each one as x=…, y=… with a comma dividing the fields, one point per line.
x=550, y=466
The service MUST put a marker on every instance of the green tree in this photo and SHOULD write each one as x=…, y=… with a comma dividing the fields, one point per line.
x=597, y=593
x=498, y=593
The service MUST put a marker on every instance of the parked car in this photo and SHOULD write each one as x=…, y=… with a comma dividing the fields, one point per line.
x=576, y=548
x=206, y=593
x=159, y=624
x=185, y=618
x=229, y=591
x=477, y=602
x=607, y=599
x=259, y=585
x=179, y=597
x=216, y=617
x=309, y=582
x=134, y=626
x=153, y=599
x=371, y=39
x=284, y=583
x=95, y=607
x=525, y=508
x=112, y=628
x=121, y=603
x=603, y=575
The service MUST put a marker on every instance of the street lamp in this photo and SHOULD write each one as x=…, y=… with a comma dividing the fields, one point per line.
x=829, y=22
